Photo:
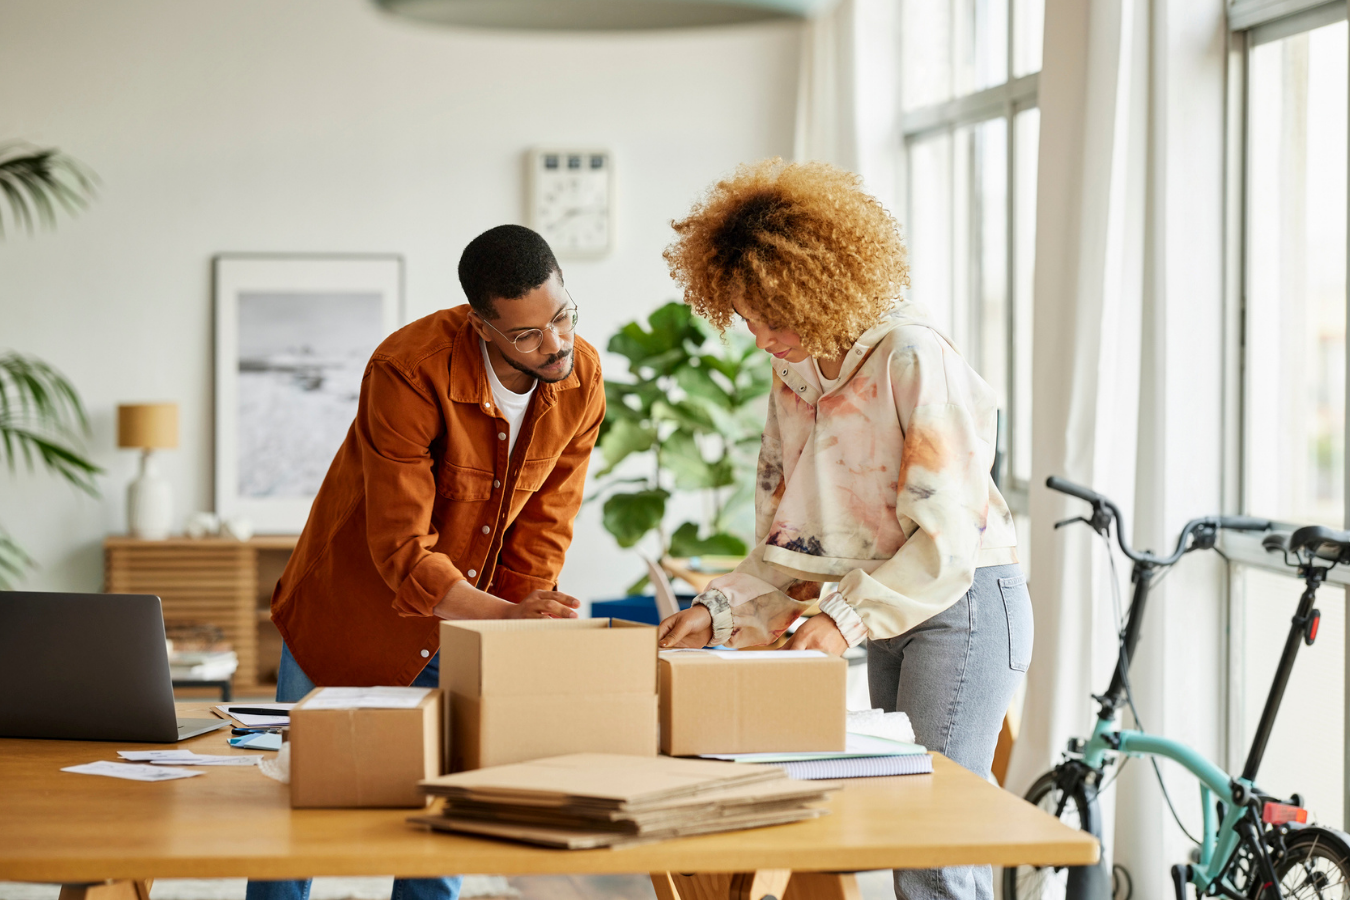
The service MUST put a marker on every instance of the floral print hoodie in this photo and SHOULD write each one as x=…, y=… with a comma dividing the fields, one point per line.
x=880, y=483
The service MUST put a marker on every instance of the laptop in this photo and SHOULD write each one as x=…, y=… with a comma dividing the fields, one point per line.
x=88, y=667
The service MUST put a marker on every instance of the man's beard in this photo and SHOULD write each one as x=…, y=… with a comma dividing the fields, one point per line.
x=561, y=354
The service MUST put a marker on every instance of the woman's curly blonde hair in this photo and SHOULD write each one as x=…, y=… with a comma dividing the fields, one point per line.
x=805, y=247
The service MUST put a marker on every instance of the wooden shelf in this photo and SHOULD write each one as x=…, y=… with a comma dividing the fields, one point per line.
x=218, y=581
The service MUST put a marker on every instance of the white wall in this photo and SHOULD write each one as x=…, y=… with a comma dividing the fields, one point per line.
x=325, y=126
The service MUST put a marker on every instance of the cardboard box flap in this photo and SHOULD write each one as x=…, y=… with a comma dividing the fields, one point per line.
x=547, y=656
x=598, y=779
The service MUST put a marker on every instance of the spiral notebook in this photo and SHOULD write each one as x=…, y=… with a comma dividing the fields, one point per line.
x=864, y=756
x=859, y=767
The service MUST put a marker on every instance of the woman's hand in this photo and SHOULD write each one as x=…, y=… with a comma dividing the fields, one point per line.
x=818, y=633
x=690, y=627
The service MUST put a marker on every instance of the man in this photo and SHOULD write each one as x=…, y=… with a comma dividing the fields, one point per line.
x=454, y=493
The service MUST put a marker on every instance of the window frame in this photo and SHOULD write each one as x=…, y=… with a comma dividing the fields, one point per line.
x=1006, y=100
x=1252, y=23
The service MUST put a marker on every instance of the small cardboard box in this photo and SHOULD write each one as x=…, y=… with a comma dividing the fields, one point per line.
x=751, y=702
x=522, y=689
x=364, y=757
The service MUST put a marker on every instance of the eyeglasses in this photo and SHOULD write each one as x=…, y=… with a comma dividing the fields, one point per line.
x=563, y=325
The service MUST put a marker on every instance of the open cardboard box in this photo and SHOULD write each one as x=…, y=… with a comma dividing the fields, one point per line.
x=522, y=689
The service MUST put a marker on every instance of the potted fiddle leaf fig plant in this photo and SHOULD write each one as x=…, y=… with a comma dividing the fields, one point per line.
x=692, y=412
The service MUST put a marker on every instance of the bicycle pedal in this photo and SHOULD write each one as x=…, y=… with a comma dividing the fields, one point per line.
x=1283, y=814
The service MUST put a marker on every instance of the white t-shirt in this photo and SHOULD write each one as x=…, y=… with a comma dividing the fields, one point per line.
x=511, y=404
x=810, y=372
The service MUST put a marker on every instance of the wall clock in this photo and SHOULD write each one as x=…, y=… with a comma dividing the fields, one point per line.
x=571, y=200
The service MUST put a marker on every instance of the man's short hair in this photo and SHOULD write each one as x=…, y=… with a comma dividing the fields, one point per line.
x=504, y=263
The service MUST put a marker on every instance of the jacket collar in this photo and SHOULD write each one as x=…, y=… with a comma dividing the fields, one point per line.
x=905, y=313
x=468, y=376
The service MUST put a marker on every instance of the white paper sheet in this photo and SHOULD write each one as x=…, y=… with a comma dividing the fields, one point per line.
x=258, y=721
x=148, y=755
x=753, y=654
x=187, y=758
x=855, y=745
x=367, y=698
x=210, y=761
x=131, y=771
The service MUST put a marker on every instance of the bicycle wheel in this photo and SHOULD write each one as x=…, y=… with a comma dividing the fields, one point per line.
x=1315, y=866
x=1049, y=882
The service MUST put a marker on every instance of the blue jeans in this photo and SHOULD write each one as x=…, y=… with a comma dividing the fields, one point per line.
x=292, y=684
x=955, y=675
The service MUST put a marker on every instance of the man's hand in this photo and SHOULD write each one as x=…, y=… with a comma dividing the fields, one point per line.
x=464, y=601
x=818, y=633
x=544, y=605
x=690, y=627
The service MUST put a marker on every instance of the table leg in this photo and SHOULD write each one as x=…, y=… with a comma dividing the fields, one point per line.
x=764, y=884
x=823, y=886
x=107, y=890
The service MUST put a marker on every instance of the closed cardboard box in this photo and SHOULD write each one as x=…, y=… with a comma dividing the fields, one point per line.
x=522, y=689
x=350, y=757
x=751, y=702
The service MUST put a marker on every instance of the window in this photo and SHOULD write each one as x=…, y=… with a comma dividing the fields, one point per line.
x=1288, y=78
x=968, y=96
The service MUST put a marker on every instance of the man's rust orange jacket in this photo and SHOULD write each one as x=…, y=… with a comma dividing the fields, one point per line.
x=422, y=494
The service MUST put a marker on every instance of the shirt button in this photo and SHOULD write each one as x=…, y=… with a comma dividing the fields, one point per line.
x=473, y=573
x=487, y=406
x=802, y=388
x=496, y=483
x=501, y=435
x=486, y=530
x=426, y=653
x=784, y=372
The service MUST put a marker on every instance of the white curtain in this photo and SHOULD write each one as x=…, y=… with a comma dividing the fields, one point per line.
x=1127, y=387
x=848, y=101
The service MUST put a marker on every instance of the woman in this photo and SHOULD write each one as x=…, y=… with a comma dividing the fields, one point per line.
x=874, y=469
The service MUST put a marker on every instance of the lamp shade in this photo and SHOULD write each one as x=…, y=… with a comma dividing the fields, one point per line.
x=147, y=426
x=600, y=15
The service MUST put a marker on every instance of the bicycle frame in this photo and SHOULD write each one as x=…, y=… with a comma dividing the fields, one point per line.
x=1241, y=821
x=1219, y=839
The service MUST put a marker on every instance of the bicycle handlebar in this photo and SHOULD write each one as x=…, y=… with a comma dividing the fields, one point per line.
x=1100, y=503
x=1244, y=523
x=1064, y=486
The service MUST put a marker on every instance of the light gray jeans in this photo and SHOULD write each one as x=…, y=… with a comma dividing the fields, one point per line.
x=955, y=675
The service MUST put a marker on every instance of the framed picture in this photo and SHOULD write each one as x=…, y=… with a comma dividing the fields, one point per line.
x=293, y=336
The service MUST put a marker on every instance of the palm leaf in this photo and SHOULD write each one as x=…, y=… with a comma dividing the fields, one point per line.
x=42, y=420
x=36, y=181
x=14, y=562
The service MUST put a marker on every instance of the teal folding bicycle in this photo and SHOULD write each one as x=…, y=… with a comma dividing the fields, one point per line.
x=1253, y=846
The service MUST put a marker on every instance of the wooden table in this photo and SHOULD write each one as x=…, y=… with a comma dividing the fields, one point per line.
x=83, y=830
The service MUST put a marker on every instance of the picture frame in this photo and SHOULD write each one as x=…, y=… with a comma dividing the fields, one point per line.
x=293, y=334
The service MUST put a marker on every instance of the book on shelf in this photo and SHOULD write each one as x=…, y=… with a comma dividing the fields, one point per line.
x=202, y=665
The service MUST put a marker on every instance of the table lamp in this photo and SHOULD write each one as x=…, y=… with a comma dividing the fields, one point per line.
x=148, y=427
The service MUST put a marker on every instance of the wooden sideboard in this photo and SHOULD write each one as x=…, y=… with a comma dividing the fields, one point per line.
x=223, y=582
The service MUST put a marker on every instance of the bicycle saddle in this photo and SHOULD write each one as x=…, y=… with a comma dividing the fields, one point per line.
x=1322, y=542
x=1276, y=541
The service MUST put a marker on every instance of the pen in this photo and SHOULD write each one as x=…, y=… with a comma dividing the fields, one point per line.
x=273, y=730
x=257, y=711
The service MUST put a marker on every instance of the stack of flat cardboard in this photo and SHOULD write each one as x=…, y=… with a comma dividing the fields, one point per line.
x=588, y=800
